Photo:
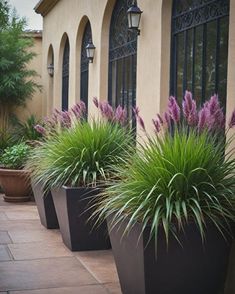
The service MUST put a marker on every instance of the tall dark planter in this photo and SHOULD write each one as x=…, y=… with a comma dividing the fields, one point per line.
x=193, y=269
x=77, y=232
x=45, y=206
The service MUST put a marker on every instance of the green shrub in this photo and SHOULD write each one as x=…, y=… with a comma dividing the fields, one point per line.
x=171, y=181
x=80, y=156
x=15, y=157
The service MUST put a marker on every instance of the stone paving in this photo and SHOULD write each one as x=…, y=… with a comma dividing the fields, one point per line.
x=33, y=260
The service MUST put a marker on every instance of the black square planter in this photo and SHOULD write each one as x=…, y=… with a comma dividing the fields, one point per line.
x=45, y=206
x=191, y=269
x=77, y=232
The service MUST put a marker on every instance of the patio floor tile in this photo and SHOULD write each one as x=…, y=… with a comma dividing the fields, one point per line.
x=22, y=214
x=100, y=263
x=4, y=238
x=42, y=235
x=4, y=254
x=43, y=274
x=38, y=250
x=16, y=225
x=93, y=289
x=34, y=260
x=3, y=216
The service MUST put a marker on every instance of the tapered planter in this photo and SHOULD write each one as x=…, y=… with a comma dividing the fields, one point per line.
x=191, y=269
x=45, y=206
x=15, y=185
x=77, y=232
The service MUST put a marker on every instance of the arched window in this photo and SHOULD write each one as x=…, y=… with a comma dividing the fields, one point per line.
x=199, y=54
x=65, y=77
x=87, y=36
x=122, y=59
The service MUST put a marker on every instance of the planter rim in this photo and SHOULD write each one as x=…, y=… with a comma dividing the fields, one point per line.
x=13, y=171
x=137, y=222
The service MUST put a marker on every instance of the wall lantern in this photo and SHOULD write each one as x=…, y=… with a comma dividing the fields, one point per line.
x=134, y=16
x=50, y=69
x=90, y=51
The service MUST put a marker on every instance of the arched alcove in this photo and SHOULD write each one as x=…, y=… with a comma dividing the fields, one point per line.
x=64, y=64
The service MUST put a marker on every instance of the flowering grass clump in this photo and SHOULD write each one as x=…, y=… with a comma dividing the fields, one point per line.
x=61, y=120
x=80, y=156
x=184, y=176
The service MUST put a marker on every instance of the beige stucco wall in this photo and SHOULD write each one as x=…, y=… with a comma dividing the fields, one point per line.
x=34, y=105
x=153, y=58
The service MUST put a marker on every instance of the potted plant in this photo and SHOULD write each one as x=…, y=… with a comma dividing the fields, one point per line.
x=14, y=179
x=74, y=164
x=50, y=126
x=171, y=208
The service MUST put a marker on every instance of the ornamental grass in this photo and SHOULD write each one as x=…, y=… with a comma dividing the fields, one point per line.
x=184, y=174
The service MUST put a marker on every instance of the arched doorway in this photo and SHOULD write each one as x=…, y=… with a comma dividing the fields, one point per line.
x=199, y=54
x=65, y=76
x=122, y=59
x=87, y=36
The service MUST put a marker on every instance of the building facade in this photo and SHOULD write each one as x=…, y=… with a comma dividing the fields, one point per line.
x=183, y=45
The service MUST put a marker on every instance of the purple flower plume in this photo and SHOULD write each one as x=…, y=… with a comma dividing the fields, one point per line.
x=216, y=118
x=141, y=122
x=41, y=130
x=120, y=115
x=96, y=102
x=190, y=109
x=202, y=119
x=167, y=119
x=157, y=125
x=174, y=109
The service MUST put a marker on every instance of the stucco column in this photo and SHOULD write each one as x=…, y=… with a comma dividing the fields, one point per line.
x=153, y=58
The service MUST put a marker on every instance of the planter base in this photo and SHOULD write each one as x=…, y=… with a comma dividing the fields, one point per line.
x=15, y=199
x=46, y=207
x=191, y=269
x=72, y=208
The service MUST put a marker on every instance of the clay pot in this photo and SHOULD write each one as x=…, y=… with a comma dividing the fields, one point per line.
x=15, y=184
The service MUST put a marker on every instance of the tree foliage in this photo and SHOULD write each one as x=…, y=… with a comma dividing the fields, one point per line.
x=16, y=79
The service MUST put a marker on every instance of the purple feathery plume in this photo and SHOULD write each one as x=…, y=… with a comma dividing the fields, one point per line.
x=213, y=104
x=136, y=111
x=65, y=119
x=232, y=120
x=96, y=102
x=187, y=104
x=167, y=119
x=141, y=122
x=77, y=111
x=160, y=119
x=174, y=109
x=120, y=115
x=82, y=106
x=202, y=119
x=41, y=130
x=106, y=111
x=190, y=109
x=216, y=118
x=157, y=125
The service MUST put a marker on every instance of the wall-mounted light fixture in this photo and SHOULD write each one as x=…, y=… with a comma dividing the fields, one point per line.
x=90, y=51
x=134, y=16
x=50, y=69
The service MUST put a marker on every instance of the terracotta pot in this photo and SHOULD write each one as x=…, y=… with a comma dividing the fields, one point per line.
x=15, y=184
